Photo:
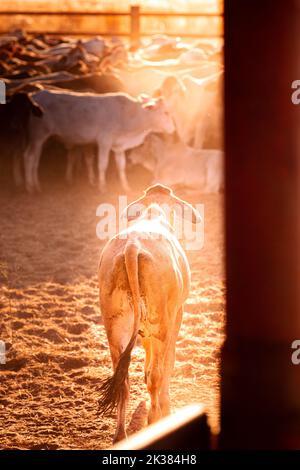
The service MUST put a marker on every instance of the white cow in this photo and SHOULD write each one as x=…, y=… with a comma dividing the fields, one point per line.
x=193, y=55
x=113, y=121
x=176, y=164
x=141, y=80
x=144, y=279
x=191, y=102
x=96, y=46
x=204, y=70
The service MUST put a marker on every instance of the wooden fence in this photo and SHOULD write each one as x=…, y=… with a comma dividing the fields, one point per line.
x=134, y=15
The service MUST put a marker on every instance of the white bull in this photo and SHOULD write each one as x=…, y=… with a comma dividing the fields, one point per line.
x=113, y=121
x=144, y=279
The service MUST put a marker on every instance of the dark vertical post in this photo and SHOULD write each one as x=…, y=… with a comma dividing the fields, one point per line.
x=260, y=385
x=135, y=25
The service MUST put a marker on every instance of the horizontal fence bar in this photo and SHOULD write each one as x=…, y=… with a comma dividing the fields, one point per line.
x=117, y=33
x=64, y=13
x=177, y=14
x=134, y=14
x=112, y=13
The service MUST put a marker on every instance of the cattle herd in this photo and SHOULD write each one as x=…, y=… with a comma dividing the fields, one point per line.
x=158, y=106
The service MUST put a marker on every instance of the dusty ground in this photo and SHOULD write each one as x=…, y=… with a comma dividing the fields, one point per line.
x=57, y=351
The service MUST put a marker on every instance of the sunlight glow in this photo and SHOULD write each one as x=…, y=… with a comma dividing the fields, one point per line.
x=143, y=439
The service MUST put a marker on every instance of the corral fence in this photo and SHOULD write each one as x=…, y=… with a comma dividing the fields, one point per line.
x=133, y=17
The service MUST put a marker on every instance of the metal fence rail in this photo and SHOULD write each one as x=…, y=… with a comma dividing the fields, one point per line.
x=134, y=15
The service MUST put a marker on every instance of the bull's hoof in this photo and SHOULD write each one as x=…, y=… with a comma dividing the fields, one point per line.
x=119, y=436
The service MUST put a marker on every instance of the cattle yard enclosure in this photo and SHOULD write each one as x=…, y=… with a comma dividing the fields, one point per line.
x=109, y=23
x=57, y=352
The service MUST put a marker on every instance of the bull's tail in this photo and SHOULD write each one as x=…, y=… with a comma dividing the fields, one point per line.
x=113, y=389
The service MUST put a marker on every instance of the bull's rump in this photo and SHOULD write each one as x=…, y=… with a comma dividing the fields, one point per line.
x=162, y=278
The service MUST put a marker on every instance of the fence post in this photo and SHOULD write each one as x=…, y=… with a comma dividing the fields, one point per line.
x=260, y=383
x=135, y=25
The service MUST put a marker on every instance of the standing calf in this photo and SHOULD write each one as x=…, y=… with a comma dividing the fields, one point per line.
x=144, y=280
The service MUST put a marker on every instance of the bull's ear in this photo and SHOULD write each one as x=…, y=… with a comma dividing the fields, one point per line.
x=157, y=93
x=159, y=100
x=186, y=210
x=151, y=104
x=143, y=98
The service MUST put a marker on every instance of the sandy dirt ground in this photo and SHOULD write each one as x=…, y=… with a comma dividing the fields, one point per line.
x=57, y=351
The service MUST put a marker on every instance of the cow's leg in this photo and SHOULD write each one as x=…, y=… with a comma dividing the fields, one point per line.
x=78, y=164
x=28, y=167
x=37, y=147
x=103, y=160
x=36, y=169
x=17, y=169
x=120, y=159
x=31, y=162
x=169, y=360
x=89, y=162
x=70, y=165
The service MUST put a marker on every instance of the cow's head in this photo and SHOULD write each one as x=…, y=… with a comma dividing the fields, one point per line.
x=171, y=88
x=162, y=196
x=160, y=117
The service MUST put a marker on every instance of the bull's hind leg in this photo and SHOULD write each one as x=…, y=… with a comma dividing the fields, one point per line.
x=169, y=360
x=119, y=327
x=154, y=376
x=147, y=347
